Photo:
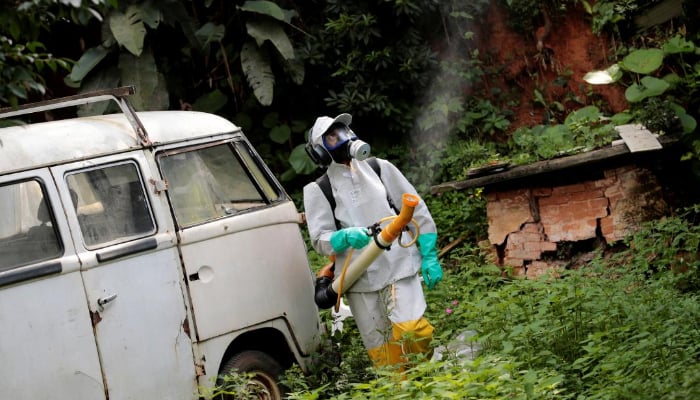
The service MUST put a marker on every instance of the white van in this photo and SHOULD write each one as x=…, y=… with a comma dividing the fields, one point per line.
x=143, y=255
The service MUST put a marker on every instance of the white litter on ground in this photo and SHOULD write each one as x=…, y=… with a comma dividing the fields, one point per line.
x=338, y=317
x=463, y=346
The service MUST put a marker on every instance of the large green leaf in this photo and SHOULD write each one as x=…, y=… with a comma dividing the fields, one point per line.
x=258, y=73
x=129, y=29
x=151, y=92
x=151, y=14
x=295, y=70
x=210, y=102
x=209, y=33
x=264, y=7
x=301, y=162
x=272, y=31
x=678, y=44
x=648, y=87
x=644, y=61
x=175, y=14
x=621, y=118
x=585, y=114
x=688, y=123
x=87, y=62
x=280, y=133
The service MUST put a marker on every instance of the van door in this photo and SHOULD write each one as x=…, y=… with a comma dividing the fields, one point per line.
x=132, y=276
x=47, y=347
x=241, y=244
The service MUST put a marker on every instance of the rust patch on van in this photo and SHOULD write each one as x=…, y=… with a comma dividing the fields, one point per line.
x=186, y=328
x=95, y=317
x=199, y=367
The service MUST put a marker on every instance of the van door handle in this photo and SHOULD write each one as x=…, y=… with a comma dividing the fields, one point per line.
x=104, y=300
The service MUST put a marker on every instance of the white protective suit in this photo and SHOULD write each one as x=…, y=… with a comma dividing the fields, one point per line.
x=361, y=200
x=387, y=300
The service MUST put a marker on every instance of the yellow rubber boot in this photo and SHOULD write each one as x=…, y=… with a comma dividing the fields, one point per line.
x=386, y=354
x=414, y=336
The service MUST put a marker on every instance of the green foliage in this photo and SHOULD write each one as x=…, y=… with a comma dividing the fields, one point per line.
x=664, y=87
x=523, y=13
x=623, y=327
x=131, y=33
x=123, y=26
x=374, y=57
x=461, y=215
x=22, y=67
x=608, y=14
x=526, y=15
x=25, y=62
x=236, y=385
x=462, y=155
x=583, y=129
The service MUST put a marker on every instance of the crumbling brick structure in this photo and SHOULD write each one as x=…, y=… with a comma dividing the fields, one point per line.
x=529, y=226
x=554, y=213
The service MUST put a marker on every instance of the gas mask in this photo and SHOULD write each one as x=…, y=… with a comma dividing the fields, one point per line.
x=343, y=145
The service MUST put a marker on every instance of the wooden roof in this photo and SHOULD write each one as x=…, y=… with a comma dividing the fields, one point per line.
x=511, y=174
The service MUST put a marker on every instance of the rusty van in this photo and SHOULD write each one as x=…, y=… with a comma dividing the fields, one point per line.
x=144, y=255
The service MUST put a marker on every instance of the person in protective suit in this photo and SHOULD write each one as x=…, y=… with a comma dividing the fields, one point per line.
x=387, y=300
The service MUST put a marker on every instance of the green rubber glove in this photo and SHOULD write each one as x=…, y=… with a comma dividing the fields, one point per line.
x=347, y=237
x=431, y=269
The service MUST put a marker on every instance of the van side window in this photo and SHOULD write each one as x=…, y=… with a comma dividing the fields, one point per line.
x=208, y=183
x=27, y=227
x=111, y=205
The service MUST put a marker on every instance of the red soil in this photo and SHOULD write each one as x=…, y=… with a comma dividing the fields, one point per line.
x=570, y=49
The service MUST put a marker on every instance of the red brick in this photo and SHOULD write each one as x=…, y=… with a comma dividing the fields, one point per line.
x=512, y=246
x=599, y=204
x=590, y=185
x=513, y=262
x=587, y=195
x=515, y=238
x=552, y=200
x=542, y=192
x=527, y=253
x=517, y=195
x=548, y=246
x=578, y=187
x=532, y=228
x=531, y=237
x=605, y=183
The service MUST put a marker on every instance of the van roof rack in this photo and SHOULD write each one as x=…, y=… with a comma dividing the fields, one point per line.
x=119, y=95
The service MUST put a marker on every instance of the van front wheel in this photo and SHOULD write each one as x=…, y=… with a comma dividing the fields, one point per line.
x=250, y=374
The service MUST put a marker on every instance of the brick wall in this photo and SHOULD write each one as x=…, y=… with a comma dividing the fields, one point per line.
x=529, y=227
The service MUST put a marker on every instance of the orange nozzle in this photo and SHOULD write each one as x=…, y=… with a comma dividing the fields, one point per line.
x=392, y=231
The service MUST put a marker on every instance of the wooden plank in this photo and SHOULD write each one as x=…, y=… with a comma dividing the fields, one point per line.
x=659, y=14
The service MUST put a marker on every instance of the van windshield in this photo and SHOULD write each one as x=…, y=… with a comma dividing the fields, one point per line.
x=209, y=183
